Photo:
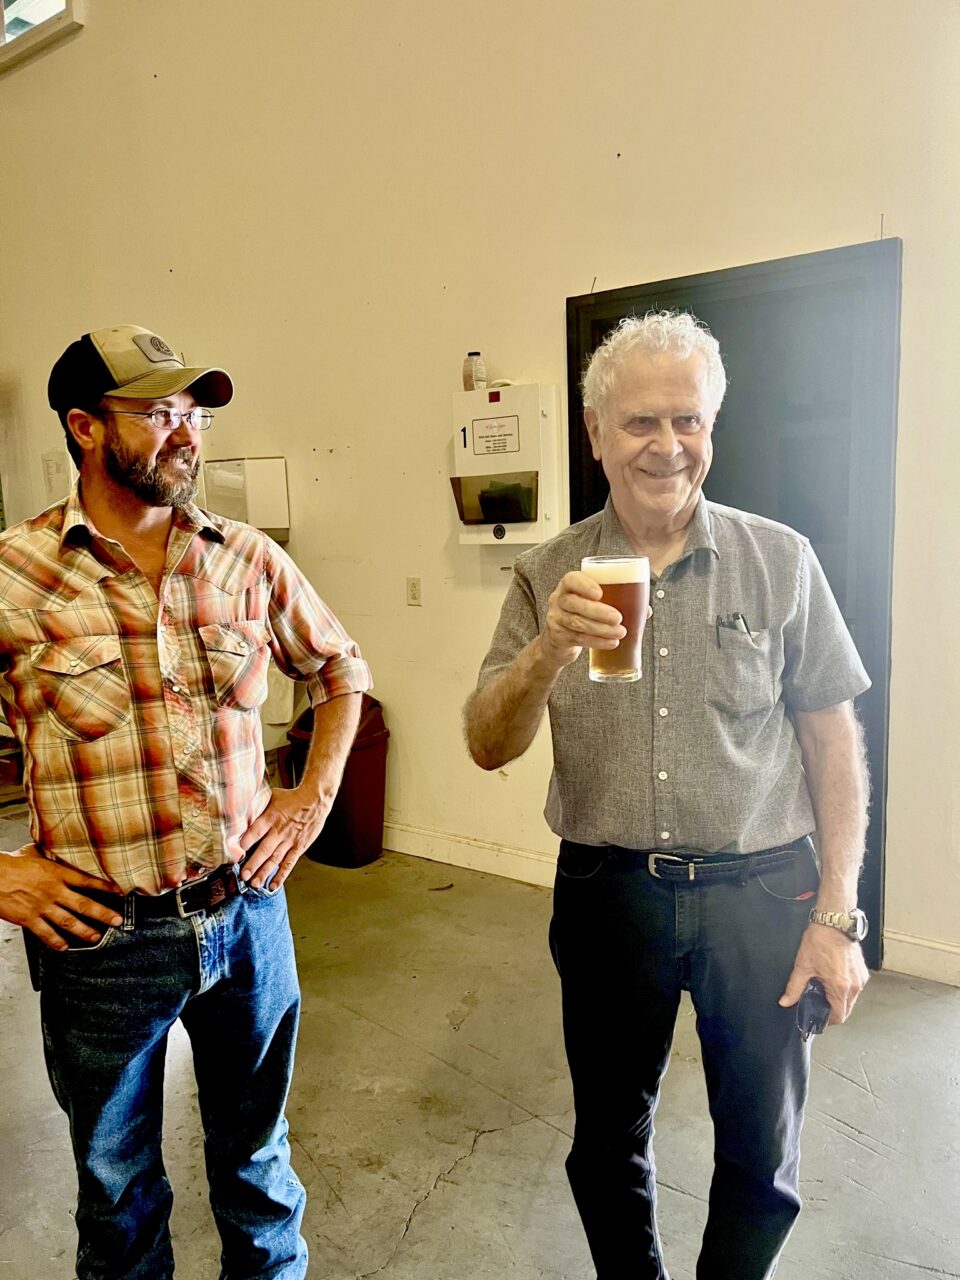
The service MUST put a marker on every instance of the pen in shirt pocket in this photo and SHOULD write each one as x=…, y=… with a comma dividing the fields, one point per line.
x=733, y=622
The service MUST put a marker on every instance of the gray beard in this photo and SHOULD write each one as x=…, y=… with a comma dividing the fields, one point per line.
x=145, y=479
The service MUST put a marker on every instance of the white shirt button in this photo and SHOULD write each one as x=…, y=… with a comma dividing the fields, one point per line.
x=662, y=775
x=664, y=835
x=663, y=712
x=175, y=688
x=660, y=594
x=664, y=652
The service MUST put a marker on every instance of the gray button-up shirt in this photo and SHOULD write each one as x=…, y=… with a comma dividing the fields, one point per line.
x=700, y=753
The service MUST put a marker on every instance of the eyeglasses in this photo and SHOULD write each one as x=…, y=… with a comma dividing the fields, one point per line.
x=170, y=419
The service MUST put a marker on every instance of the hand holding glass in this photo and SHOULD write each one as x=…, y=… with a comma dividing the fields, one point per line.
x=625, y=583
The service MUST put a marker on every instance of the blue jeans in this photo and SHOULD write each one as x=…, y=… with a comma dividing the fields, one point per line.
x=230, y=977
x=626, y=945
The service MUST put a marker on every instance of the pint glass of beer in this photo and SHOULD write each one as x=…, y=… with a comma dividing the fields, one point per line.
x=625, y=581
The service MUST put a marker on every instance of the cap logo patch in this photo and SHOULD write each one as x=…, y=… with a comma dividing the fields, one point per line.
x=154, y=348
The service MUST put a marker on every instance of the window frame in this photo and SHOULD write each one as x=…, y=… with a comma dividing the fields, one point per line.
x=49, y=32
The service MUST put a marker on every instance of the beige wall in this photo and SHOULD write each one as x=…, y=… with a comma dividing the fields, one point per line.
x=338, y=208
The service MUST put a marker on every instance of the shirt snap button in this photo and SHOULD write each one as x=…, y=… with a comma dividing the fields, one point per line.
x=664, y=652
x=664, y=835
x=663, y=711
x=660, y=595
x=662, y=775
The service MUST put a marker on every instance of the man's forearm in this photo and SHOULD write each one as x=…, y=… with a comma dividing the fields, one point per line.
x=294, y=818
x=334, y=729
x=502, y=718
x=835, y=765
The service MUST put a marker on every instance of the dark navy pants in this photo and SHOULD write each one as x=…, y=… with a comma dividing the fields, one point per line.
x=626, y=944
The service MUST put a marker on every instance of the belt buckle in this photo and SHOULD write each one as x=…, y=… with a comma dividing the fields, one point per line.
x=183, y=912
x=667, y=857
x=217, y=891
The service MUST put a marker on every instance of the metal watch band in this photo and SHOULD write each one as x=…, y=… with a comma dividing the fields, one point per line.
x=835, y=919
x=852, y=923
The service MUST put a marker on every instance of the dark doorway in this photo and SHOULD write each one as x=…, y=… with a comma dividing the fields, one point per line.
x=806, y=435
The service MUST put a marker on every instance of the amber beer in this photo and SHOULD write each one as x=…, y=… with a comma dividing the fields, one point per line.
x=625, y=581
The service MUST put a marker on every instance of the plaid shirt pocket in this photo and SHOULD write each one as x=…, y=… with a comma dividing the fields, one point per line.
x=83, y=685
x=239, y=660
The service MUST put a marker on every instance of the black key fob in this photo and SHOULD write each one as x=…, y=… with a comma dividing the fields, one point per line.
x=813, y=1010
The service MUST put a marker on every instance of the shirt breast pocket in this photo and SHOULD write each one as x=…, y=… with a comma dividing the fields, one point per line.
x=83, y=685
x=739, y=678
x=239, y=662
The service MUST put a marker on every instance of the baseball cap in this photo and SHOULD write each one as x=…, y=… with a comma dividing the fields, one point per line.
x=126, y=360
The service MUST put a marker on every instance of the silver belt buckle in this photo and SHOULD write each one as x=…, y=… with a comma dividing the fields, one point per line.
x=667, y=857
x=182, y=911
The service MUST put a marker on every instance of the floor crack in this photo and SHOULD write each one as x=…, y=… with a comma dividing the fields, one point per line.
x=668, y=1186
x=853, y=1134
x=518, y=1106
x=442, y=1176
x=914, y=1266
x=294, y=1141
x=825, y=1066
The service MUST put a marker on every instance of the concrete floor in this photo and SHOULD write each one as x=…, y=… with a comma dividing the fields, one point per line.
x=431, y=1111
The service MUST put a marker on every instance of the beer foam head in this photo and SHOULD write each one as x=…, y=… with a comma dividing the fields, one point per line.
x=616, y=568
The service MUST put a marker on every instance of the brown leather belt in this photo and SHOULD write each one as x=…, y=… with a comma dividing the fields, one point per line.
x=206, y=894
x=191, y=898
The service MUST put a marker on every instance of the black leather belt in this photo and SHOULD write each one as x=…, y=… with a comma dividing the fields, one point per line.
x=191, y=898
x=702, y=868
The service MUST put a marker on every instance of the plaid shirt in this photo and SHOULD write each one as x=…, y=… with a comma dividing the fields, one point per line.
x=143, y=755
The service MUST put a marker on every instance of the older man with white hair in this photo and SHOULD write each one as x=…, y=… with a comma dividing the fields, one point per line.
x=686, y=804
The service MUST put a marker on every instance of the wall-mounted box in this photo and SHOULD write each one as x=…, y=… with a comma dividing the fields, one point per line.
x=253, y=490
x=506, y=463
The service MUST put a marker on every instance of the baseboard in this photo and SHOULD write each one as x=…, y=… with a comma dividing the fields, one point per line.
x=921, y=957
x=528, y=865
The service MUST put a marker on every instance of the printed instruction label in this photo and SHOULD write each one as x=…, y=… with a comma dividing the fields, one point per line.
x=57, y=479
x=496, y=435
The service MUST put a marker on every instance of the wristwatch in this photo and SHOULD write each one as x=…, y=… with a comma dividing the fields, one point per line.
x=853, y=923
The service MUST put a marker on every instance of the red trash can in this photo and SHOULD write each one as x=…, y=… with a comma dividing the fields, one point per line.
x=352, y=835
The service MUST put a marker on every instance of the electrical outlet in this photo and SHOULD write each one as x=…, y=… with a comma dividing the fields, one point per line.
x=413, y=592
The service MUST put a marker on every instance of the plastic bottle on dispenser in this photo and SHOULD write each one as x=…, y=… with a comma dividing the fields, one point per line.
x=474, y=372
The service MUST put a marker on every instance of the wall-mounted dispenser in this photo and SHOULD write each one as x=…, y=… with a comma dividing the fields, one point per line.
x=253, y=490
x=506, y=468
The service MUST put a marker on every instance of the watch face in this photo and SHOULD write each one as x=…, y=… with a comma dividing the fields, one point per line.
x=860, y=925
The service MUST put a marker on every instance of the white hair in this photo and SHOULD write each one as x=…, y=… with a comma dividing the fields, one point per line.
x=677, y=332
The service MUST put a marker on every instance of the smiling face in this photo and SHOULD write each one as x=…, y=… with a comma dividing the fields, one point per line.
x=653, y=437
x=159, y=467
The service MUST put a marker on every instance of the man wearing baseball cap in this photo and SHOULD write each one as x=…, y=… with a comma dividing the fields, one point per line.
x=136, y=632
